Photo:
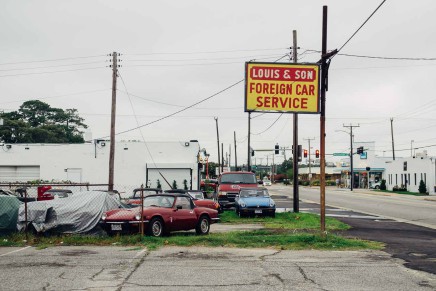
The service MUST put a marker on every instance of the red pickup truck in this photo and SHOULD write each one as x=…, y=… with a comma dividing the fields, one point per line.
x=229, y=184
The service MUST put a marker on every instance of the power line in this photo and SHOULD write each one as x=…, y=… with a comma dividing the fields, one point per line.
x=269, y=126
x=204, y=52
x=361, y=26
x=51, y=72
x=56, y=96
x=184, y=109
x=389, y=58
x=52, y=60
x=201, y=59
x=54, y=66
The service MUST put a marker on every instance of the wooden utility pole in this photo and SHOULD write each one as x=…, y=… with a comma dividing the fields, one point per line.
x=222, y=157
x=236, y=157
x=249, y=146
x=310, y=169
x=218, y=145
x=351, y=155
x=295, y=142
x=322, y=118
x=392, y=134
x=113, y=114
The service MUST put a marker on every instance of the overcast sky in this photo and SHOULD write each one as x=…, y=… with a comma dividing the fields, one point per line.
x=177, y=53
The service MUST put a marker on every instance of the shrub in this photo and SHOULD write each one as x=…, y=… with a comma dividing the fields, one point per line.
x=316, y=183
x=159, y=186
x=175, y=184
x=330, y=183
x=185, y=184
x=383, y=185
x=422, y=187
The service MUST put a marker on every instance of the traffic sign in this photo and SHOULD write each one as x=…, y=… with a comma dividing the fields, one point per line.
x=340, y=154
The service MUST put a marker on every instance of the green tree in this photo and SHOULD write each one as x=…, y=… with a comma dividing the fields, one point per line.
x=285, y=166
x=422, y=187
x=383, y=185
x=37, y=122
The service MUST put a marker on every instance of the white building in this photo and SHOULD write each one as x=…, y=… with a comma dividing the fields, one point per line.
x=408, y=172
x=136, y=163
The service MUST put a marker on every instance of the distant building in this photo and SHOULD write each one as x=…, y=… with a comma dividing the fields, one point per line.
x=408, y=172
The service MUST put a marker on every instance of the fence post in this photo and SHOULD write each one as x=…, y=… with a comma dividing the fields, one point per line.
x=142, y=210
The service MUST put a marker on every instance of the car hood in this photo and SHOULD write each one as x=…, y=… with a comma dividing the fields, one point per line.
x=255, y=201
x=125, y=214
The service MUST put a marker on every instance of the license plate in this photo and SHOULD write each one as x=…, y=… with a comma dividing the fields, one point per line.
x=115, y=226
x=258, y=211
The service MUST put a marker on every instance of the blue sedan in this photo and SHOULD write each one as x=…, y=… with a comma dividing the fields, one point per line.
x=254, y=201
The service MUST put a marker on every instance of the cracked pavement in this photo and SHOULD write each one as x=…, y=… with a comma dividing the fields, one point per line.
x=200, y=268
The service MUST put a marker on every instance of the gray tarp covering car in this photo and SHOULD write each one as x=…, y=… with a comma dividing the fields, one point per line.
x=78, y=213
x=9, y=206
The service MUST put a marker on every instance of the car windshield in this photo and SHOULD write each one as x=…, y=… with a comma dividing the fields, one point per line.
x=238, y=178
x=196, y=195
x=137, y=193
x=159, y=201
x=253, y=193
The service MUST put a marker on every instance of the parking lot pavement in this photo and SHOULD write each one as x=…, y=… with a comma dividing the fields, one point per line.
x=200, y=268
x=67, y=268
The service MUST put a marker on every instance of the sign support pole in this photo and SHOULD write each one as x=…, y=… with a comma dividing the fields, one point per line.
x=322, y=119
x=295, y=133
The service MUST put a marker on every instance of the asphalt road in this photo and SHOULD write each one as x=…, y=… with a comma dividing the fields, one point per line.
x=419, y=210
x=198, y=268
x=403, y=235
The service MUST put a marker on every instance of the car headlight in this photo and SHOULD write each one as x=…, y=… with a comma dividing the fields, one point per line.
x=242, y=204
x=271, y=203
x=138, y=216
x=104, y=216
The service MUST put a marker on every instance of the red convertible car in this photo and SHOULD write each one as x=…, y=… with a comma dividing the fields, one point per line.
x=162, y=214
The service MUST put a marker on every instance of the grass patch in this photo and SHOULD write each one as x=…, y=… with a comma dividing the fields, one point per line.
x=287, y=231
x=286, y=220
x=402, y=192
x=283, y=239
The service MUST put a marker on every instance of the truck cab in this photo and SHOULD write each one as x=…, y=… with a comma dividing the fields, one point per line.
x=229, y=184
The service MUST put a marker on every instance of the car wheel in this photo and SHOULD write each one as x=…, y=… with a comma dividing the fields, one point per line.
x=156, y=227
x=377, y=187
x=203, y=225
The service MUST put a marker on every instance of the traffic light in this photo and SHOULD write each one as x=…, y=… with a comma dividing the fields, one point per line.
x=276, y=149
x=300, y=149
x=360, y=150
x=317, y=154
x=305, y=153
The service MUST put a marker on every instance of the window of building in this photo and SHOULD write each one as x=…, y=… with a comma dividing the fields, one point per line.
x=396, y=179
x=415, y=179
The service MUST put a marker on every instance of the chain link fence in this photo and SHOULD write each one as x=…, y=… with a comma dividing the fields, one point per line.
x=59, y=208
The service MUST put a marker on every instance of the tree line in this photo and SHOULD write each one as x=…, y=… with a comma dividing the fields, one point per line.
x=37, y=122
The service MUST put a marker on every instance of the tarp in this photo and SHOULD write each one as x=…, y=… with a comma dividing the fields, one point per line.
x=9, y=206
x=78, y=213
